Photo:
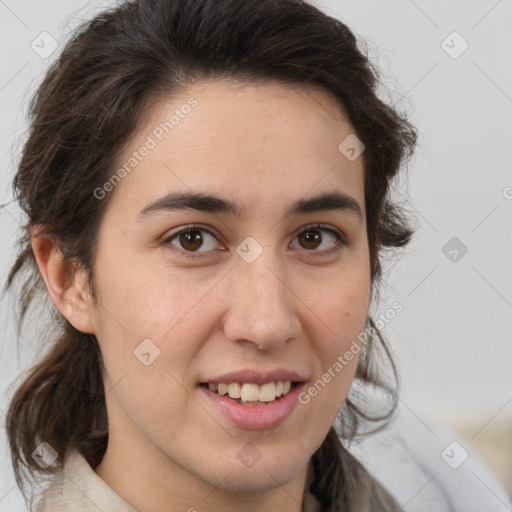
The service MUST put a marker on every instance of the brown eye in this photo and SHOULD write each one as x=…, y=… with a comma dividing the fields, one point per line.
x=191, y=240
x=315, y=240
x=310, y=239
x=187, y=242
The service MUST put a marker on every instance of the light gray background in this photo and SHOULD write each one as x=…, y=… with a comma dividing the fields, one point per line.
x=452, y=341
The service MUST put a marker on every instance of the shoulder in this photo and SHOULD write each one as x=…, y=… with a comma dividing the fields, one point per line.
x=77, y=488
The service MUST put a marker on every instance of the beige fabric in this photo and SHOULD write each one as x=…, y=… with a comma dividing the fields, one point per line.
x=77, y=488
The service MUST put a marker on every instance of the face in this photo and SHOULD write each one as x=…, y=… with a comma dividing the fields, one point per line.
x=255, y=284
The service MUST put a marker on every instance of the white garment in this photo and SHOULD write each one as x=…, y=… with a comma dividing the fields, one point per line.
x=417, y=463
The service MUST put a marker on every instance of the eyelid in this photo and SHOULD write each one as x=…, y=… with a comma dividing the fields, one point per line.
x=341, y=239
x=190, y=227
x=326, y=227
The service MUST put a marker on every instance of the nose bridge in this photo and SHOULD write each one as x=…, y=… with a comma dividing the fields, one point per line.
x=262, y=306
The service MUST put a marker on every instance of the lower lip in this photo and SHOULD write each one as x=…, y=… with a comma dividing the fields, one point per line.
x=254, y=416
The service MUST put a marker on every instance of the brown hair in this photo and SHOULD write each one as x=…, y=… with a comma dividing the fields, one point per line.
x=90, y=103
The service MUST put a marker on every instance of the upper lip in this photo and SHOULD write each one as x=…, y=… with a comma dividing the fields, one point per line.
x=257, y=377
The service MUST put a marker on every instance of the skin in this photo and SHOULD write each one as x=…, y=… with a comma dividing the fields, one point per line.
x=264, y=145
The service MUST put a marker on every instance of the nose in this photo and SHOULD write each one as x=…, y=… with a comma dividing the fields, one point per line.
x=262, y=308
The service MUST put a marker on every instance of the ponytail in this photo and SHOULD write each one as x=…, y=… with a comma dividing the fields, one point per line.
x=61, y=403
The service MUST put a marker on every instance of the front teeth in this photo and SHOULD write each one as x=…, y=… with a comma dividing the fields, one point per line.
x=234, y=390
x=252, y=392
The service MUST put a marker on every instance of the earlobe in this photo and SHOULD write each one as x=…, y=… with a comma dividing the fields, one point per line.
x=66, y=285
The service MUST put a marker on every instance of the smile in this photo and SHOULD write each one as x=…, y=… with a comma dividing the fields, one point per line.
x=252, y=400
x=252, y=394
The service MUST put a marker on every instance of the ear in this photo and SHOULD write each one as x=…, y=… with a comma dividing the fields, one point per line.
x=66, y=285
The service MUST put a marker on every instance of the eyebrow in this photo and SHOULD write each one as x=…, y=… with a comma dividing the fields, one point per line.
x=330, y=201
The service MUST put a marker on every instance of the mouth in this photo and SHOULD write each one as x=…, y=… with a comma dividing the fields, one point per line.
x=251, y=400
x=251, y=394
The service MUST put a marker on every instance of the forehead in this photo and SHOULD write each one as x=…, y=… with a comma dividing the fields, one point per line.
x=235, y=113
x=254, y=138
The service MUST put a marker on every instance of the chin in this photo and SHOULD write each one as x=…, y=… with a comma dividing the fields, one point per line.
x=250, y=481
x=256, y=476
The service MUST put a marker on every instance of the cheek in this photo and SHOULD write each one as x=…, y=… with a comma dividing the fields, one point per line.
x=340, y=320
x=147, y=356
x=148, y=332
x=342, y=307
x=140, y=300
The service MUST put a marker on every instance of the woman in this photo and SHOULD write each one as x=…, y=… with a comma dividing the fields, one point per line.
x=207, y=192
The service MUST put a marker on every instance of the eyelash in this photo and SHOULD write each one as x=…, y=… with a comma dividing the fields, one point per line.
x=337, y=248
